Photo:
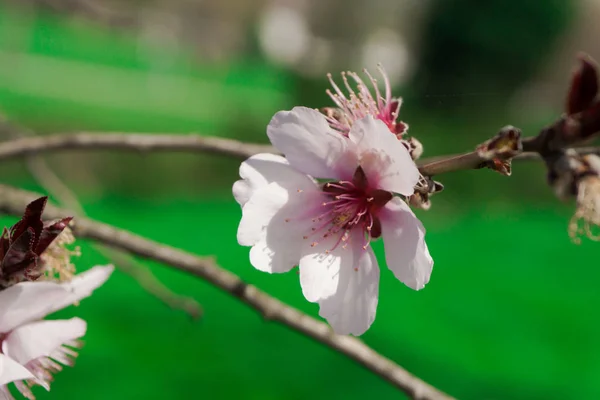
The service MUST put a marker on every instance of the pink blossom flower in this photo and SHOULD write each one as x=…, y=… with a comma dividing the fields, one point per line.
x=290, y=219
x=31, y=349
x=355, y=106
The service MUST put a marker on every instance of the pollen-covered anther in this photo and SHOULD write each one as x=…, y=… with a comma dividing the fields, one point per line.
x=56, y=260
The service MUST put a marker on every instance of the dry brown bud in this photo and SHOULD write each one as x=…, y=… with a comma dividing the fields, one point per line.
x=504, y=145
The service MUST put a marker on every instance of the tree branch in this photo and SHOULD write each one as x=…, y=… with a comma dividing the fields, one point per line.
x=13, y=201
x=144, y=142
x=138, y=142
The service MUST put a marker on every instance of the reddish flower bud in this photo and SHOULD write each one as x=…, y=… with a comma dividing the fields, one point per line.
x=584, y=86
x=22, y=244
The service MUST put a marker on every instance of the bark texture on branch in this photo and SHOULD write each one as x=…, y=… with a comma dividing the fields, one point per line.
x=139, y=142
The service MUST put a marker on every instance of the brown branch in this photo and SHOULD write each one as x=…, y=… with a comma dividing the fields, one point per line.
x=459, y=162
x=139, y=142
x=444, y=164
x=13, y=201
x=143, y=142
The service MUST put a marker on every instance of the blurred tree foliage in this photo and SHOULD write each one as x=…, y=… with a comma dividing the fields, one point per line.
x=488, y=46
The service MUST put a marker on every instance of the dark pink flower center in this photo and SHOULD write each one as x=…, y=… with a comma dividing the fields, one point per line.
x=353, y=206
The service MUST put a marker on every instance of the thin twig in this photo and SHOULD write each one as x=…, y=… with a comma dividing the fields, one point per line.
x=41, y=171
x=150, y=283
x=458, y=162
x=144, y=142
x=14, y=200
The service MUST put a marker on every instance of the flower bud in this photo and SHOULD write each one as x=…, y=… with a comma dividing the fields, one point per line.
x=22, y=244
x=584, y=86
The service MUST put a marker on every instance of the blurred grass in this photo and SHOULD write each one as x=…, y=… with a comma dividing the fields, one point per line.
x=509, y=313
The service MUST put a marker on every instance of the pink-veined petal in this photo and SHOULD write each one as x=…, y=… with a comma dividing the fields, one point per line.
x=310, y=145
x=41, y=338
x=351, y=310
x=258, y=171
x=320, y=267
x=406, y=252
x=11, y=370
x=385, y=160
x=29, y=301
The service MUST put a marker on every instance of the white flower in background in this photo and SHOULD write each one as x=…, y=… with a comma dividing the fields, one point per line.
x=290, y=219
x=31, y=349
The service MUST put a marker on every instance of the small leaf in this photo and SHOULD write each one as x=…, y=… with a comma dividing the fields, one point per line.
x=32, y=218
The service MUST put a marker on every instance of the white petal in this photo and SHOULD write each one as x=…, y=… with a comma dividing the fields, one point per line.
x=258, y=171
x=383, y=157
x=267, y=201
x=352, y=309
x=279, y=248
x=406, y=252
x=11, y=371
x=310, y=145
x=274, y=221
x=28, y=301
x=41, y=338
x=320, y=267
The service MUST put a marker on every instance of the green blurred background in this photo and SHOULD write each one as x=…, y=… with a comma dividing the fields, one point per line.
x=510, y=312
